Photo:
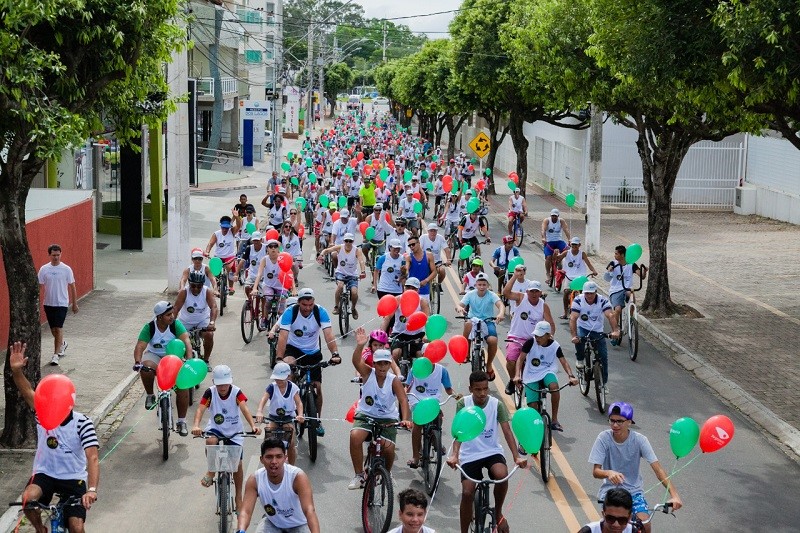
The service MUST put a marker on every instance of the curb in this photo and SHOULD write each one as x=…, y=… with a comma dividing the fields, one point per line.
x=219, y=189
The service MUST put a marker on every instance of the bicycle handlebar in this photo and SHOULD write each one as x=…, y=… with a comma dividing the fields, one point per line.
x=72, y=501
x=490, y=319
x=441, y=404
x=665, y=508
x=488, y=481
x=206, y=434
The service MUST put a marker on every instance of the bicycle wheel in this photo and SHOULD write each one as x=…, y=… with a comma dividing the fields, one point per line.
x=519, y=233
x=436, y=301
x=310, y=410
x=432, y=459
x=633, y=339
x=223, y=294
x=164, y=408
x=377, y=500
x=599, y=391
x=623, y=325
x=343, y=315
x=483, y=519
x=477, y=359
x=273, y=352
x=246, y=322
x=544, y=452
x=518, y=396
x=585, y=380
x=224, y=500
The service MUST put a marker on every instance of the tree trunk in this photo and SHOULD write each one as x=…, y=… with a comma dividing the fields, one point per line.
x=496, y=136
x=332, y=104
x=440, y=123
x=218, y=109
x=516, y=128
x=452, y=129
x=23, y=288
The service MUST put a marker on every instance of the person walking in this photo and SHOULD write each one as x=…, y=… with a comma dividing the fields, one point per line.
x=60, y=294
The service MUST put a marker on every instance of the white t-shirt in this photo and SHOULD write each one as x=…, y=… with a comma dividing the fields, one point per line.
x=399, y=529
x=56, y=279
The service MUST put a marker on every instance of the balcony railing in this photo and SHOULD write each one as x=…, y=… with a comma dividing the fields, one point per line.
x=206, y=86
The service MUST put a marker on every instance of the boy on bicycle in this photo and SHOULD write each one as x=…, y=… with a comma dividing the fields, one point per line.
x=227, y=404
x=285, y=405
x=481, y=303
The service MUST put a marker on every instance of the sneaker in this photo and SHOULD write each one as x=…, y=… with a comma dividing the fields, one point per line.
x=357, y=482
x=63, y=348
x=150, y=401
x=605, y=390
x=510, y=387
x=320, y=431
x=54, y=360
x=183, y=429
x=580, y=366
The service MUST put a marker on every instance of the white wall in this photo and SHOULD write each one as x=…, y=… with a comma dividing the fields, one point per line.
x=773, y=169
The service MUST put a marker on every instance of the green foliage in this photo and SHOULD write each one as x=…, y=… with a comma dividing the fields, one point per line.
x=338, y=78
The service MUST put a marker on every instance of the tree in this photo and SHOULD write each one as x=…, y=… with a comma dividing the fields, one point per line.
x=763, y=55
x=338, y=78
x=67, y=69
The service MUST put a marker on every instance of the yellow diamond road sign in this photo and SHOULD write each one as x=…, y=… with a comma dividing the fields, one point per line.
x=480, y=145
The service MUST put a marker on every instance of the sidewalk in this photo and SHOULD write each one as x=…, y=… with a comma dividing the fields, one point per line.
x=726, y=267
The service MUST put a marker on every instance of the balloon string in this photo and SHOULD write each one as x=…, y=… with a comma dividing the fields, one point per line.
x=433, y=496
x=666, y=489
x=674, y=472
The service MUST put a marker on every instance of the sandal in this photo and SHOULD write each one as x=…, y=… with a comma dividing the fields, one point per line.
x=335, y=310
x=563, y=317
x=355, y=314
x=412, y=463
x=207, y=481
x=491, y=375
x=231, y=291
x=555, y=426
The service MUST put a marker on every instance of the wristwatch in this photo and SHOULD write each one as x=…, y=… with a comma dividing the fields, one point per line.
x=92, y=489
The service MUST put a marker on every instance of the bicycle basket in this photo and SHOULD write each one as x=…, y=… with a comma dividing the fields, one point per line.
x=223, y=457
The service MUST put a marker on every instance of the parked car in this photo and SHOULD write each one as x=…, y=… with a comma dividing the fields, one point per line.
x=353, y=102
x=381, y=100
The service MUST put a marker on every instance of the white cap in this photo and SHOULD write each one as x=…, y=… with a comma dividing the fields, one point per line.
x=412, y=282
x=589, y=286
x=469, y=191
x=222, y=375
x=377, y=206
x=281, y=371
x=381, y=355
x=534, y=285
x=160, y=308
x=344, y=213
x=273, y=241
x=197, y=252
x=348, y=237
x=481, y=277
x=256, y=236
x=541, y=328
x=555, y=212
x=395, y=243
x=291, y=300
x=575, y=240
x=305, y=293
x=433, y=226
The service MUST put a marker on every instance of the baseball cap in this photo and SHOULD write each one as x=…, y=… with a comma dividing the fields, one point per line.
x=160, y=308
x=291, y=300
x=197, y=252
x=256, y=236
x=555, y=212
x=249, y=209
x=533, y=285
x=332, y=205
x=507, y=239
x=377, y=207
x=412, y=282
x=623, y=409
x=381, y=355
x=345, y=213
x=541, y=328
x=281, y=371
x=305, y=293
x=575, y=240
x=477, y=261
x=349, y=237
x=481, y=276
x=222, y=375
x=409, y=191
x=433, y=227
x=395, y=243
x=273, y=241
x=469, y=192
x=589, y=286
x=224, y=223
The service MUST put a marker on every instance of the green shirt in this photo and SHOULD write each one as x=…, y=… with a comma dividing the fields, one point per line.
x=502, y=411
x=367, y=195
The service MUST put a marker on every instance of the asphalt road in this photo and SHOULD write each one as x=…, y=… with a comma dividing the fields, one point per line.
x=748, y=486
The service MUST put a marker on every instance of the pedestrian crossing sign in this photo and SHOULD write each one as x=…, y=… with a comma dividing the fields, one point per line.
x=480, y=145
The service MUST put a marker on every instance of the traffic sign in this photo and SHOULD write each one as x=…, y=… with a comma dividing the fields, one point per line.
x=480, y=145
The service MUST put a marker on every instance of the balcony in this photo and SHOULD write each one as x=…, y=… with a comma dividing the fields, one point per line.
x=206, y=86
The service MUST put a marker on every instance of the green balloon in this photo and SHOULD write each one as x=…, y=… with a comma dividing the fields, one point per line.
x=301, y=203
x=473, y=205
x=422, y=367
x=286, y=166
x=349, y=171
x=528, y=427
x=429, y=186
x=370, y=233
x=468, y=423
x=464, y=187
x=342, y=201
x=368, y=163
x=215, y=264
x=435, y=157
x=424, y=174
x=514, y=262
x=426, y=410
x=323, y=200
x=309, y=162
x=683, y=436
x=465, y=252
x=407, y=176
x=294, y=182
x=312, y=177
x=488, y=171
x=633, y=253
x=191, y=374
x=176, y=347
x=512, y=185
x=570, y=200
x=435, y=327
x=417, y=206
x=577, y=283
x=290, y=155
x=250, y=228
x=473, y=160
x=384, y=173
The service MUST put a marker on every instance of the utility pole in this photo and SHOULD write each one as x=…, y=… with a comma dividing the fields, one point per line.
x=384, y=41
x=593, y=198
x=321, y=64
x=310, y=96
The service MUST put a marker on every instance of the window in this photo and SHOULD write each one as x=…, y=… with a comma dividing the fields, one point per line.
x=252, y=56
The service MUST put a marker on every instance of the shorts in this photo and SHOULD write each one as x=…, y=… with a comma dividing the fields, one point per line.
x=514, y=214
x=381, y=294
x=397, y=340
x=489, y=330
x=201, y=324
x=55, y=316
x=231, y=260
x=617, y=299
x=474, y=469
x=351, y=201
x=317, y=229
x=472, y=241
x=532, y=393
x=65, y=488
x=306, y=359
x=389, y=434
x=152, y=357
x=552, y=246
x=350, y=282
x=639, y=503
x=514, y=348
x=265, y=526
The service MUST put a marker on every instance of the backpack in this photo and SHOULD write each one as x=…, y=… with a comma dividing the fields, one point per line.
x=172, y=328
x=296, y=311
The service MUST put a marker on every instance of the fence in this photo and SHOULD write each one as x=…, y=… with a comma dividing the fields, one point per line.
x=219, y=160
x=205, y=86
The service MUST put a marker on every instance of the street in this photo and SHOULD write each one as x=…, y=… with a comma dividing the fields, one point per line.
x=744, y=487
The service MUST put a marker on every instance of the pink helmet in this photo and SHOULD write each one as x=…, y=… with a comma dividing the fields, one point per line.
x=380, y=336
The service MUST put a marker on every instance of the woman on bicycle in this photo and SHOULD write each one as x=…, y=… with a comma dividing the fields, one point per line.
x=285, y=406
x=291, y=245
x=383, y=399
x=517, y=208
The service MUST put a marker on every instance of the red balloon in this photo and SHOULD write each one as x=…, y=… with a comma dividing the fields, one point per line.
x=360, y=156
x=301, y=231
x=285, y=261
x=321, y=170
x=379, y=183
x=350, y=151
x=458, y=347
x=716, y=433
x=167, y=371
x=53, y=400
x=436, y=350
x=471, y=168
x=351, y=413
x=416, y=196
x=433, y=166
x=272, y=234
x=390, y=164
x=335, y=216
x=363, y=228
x=286, y=279
x=387, y=305
x=353, y=163
x=409, y=303
x=416, y=320
x=367, y=171
x=480, y=185
x=376, y=163
x=447, y=183
x=388, y=217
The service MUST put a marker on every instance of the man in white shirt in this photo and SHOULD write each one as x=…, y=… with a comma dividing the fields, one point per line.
x=58, y=282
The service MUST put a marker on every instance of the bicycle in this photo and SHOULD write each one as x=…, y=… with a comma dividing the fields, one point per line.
x=435, y=296
x=464, y=265
x=196, y=340
x=593, y=371
x=484, y=520
x=223, y=460
x=222, y=286
x=372, y=255
x=517, y=231
x=476, y=352
x=406, y=358
x=637, y=524
x=629, y=323
x=58, y=521
x=344, y=310
x=163, y=413
x=547, y=436
x=518, y=397
x=432, y=453
x=377, y=501
x=308, y=395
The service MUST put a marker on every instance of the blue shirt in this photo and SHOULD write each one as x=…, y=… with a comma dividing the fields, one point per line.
x=482, y=308
x=420, y=270
x=514, y=252
x=304, y=331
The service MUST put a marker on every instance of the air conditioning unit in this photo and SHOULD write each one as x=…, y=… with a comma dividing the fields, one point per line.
x=745, y=201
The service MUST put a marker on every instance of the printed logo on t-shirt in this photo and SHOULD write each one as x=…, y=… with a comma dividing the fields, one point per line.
x=584, y=316
x=524, y=315
x=252, y=262
x=190, y=309
x=536, y=362
x=158, y=345
x=219, y=419
x=571, y=264
x=52, y=442
x=420, y=388
x=550, y=230
x=390, y=270
x=369, y=400
x=270, y=275
x=298, y=333
x=281, y=411
x=403, y=319
x=270, y=510
x=220, y=244
x=341, y=263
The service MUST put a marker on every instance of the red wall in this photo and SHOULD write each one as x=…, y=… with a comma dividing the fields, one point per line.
x=73, y=229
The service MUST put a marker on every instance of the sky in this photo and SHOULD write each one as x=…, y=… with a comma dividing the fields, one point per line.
x=390, y=9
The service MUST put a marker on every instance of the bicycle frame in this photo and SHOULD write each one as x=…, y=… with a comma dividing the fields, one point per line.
x=58, y=522
x=482, y=506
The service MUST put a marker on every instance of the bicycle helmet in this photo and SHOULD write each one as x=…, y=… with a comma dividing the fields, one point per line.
x=380, y=336
x=197, y=277
x=623, y=409
x=477, y=261
x=507, y=239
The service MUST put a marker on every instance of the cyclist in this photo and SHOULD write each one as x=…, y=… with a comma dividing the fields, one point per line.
x=345, y=224
x=481, y=302
x=620, y=275
x=616, y=454
x=420, y=264
x=468, y=229
x=151, y=347
x=251, y=258
x=377, y=222
x=412, y=513
x=539, y=356
x=519, y=285
x=353, y=186
x=284, y=404
x=451, y=213
x=400, y=234
x=617, y=511
x=322, y=225
x=485, y=451
x=381, y=394
x=285, y=492
x=367, y=197
x=59, y=466
x=227, y=405
x=476, y=269
x=517, y=208
x=277, y=213
x=349, y=258
x=500, y=258
x=378, y=340
x=576, y=264
x=439, y=193
x=588, y=310
x=552, y=229
x=225, y=248
x=387, y=274
x=397, y=322
x=241, y=223
x=306, y=321
x=241, y=207
x=196, y=308
x=197, y=265
x=436, y=244
x=268, y=276
x=292, y=246
x=407, y=213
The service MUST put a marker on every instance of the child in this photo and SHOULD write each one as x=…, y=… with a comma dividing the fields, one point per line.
x=468, y=283
x=225, y=422
x=412, y=513
x=284, y=403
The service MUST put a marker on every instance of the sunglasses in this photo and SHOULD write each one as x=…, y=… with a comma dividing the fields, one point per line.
x=412, y=244
x=621, y=520
x=616, y=421
x=272, y=246
x=348, y=240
